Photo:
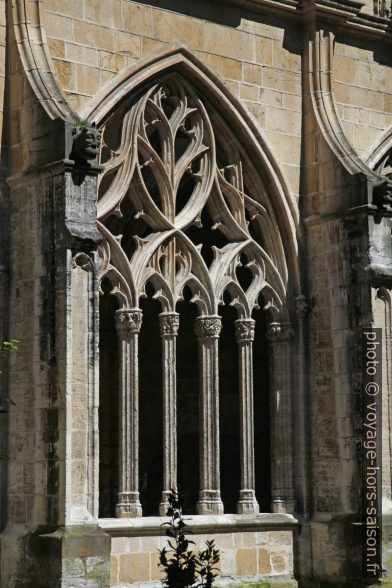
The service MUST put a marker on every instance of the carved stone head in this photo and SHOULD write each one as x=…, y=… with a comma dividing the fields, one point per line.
x=86, y=141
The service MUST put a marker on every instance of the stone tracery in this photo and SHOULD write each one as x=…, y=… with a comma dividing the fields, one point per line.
x=166, y=167
x=177, y=165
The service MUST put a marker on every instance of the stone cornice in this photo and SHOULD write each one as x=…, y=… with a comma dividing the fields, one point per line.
x=369, y=24
x=329, y=11
x=54, y=168
x=150, y=526
x=366, y=210
x=345, y=14
x=285, y=8
x=346, y=18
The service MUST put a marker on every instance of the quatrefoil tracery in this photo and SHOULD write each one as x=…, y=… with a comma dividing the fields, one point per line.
x=166, y=170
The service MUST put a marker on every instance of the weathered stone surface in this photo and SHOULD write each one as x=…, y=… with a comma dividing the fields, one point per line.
x=246, y=162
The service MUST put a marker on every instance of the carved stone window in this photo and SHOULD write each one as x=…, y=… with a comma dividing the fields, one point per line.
x=191, y=250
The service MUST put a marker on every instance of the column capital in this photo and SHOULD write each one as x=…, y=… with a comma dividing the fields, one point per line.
x=169, y=323
x=128, y=320
x=280, y=332
x=208, y=327
x=245, y=330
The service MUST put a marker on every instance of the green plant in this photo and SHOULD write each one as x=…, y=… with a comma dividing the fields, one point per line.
x=81, y=124
x=183, y=567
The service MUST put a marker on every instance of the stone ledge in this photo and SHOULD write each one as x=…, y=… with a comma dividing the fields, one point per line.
x=150, y=526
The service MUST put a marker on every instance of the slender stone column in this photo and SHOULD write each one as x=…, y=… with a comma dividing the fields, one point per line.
x=245, y=332
x=169, y=324
x=280, y=336
x=128, y=323
x=207, y=329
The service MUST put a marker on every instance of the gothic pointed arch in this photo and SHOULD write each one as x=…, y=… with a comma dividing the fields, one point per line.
x=193, y=209
x=170, y=126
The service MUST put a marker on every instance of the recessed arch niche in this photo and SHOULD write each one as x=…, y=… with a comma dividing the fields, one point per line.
x=193, y=210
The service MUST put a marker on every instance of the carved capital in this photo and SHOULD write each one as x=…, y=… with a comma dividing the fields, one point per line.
x=301, y=307
x=245, y=330
x=169, y=324
x=128, y=321
x=280, y=332
x=208, y=327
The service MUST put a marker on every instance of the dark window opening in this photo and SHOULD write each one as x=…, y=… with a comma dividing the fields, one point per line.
x=150, y=407
x=108, y=402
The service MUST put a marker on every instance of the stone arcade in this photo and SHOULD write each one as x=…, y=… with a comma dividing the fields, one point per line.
x=195, y=225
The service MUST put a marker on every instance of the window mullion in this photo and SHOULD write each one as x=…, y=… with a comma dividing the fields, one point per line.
x=207, y=329
x=128, y=323
x=169, y=324
x=245, y=329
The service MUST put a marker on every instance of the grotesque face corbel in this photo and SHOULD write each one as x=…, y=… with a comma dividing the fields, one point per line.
x=86, y=142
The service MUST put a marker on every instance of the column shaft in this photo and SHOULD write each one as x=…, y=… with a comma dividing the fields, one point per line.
x=207, y=330
x=128, y=323
x=245, y=336
x=169, y=324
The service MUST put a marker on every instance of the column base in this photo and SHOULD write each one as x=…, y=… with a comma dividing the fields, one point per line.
x=128, y=505
x=284, y=506
x=247, y=503
x=164, y=504
x=210, y=502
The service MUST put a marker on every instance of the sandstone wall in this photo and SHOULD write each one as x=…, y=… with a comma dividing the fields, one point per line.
x=264, y=62
x=253, y=556
x=363, y=89
x=258, y=60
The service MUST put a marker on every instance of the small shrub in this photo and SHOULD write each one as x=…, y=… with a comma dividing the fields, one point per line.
x=183, y=567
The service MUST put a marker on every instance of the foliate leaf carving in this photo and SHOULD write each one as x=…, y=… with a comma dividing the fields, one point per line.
x=169, y=324
x=208, y=327
x=245, y=330
x=128, y=321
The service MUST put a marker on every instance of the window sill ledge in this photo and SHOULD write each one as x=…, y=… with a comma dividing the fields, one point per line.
x=227, y=523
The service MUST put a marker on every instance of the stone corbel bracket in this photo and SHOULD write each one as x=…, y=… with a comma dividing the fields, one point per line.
x=33, y=50
x=322, y=19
